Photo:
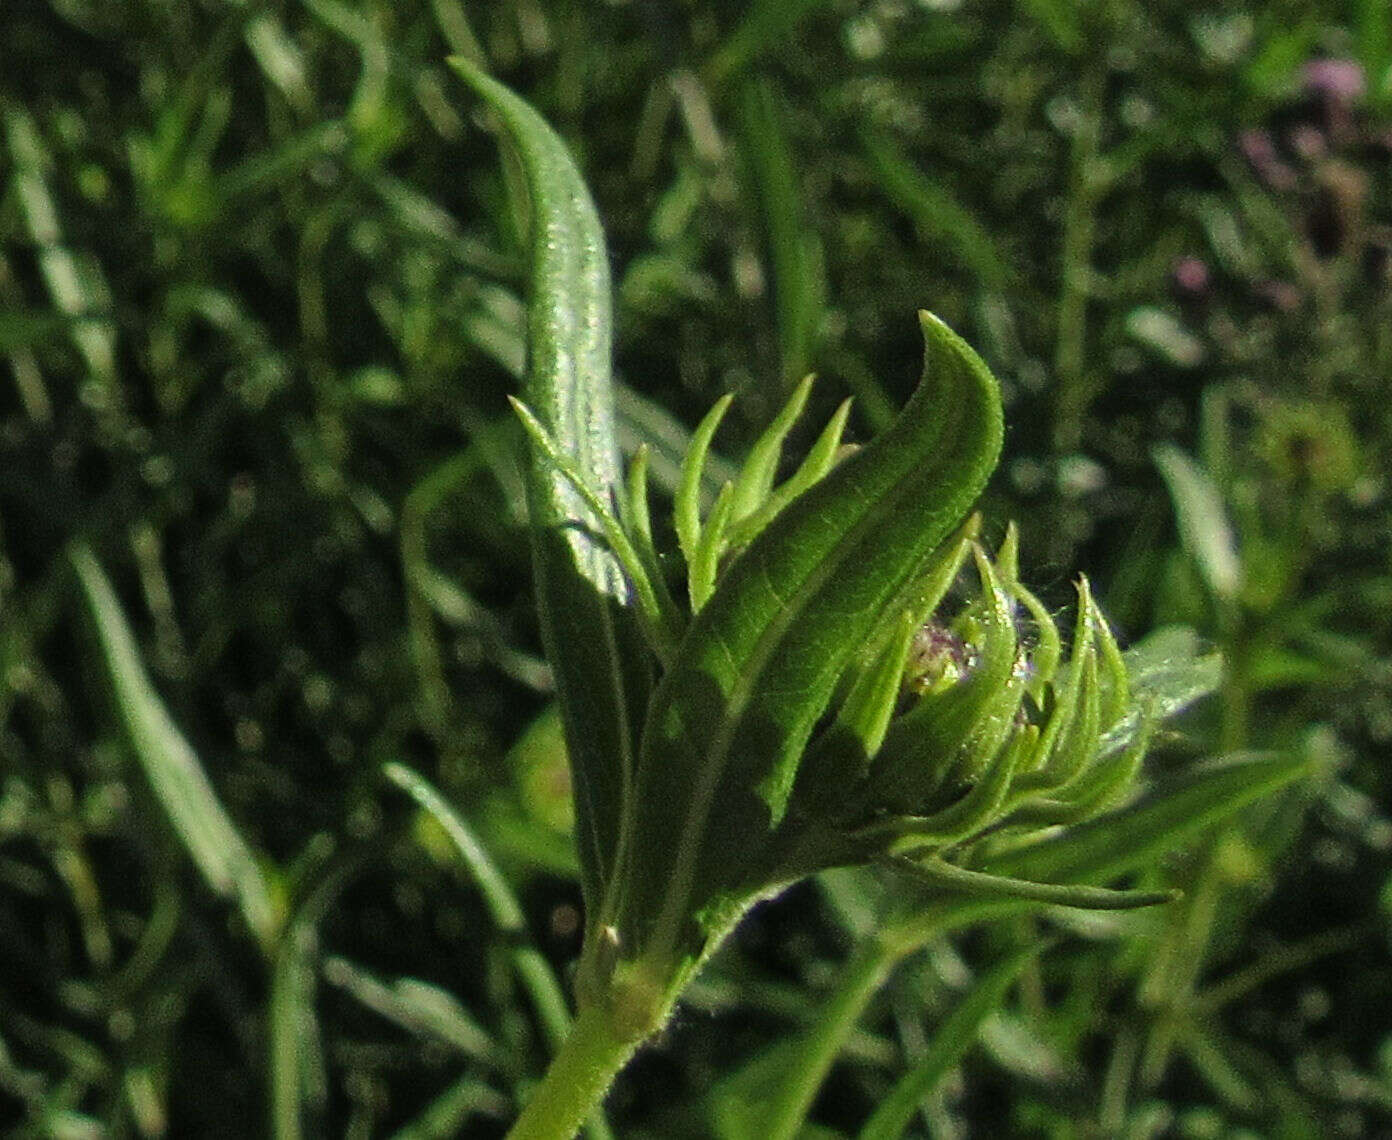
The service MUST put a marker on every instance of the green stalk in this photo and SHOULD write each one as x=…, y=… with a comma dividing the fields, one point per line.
x=1074, y=386
x=862, y=977
x=579, y=1076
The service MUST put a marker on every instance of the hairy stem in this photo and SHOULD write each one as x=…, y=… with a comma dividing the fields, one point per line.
x=579, y=1076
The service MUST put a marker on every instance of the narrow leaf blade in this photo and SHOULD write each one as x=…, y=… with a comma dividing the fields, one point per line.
x=950, y=1043
x=603, y=672
x=1136, y=836
x=1203, y=521
x=177, y=778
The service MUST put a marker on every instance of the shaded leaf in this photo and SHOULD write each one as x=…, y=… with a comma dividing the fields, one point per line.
x=177, y=778
x=949, y=1045
x=1168, y=816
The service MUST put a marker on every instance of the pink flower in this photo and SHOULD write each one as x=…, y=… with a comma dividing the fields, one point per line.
x=1338, y=80
x=1190, y=275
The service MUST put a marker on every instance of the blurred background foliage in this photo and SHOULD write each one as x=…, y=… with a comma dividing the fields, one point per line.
x=260, y=309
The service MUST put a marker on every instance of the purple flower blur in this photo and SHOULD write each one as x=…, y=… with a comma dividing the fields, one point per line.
x=1338, y=80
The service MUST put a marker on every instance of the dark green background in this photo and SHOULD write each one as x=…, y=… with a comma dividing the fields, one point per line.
x=260, y=291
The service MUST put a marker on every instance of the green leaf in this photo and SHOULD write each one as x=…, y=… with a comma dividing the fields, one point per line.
x=1106, y=782
x=761, y=466
x=948, y=739
x=503, y=907
x=637, y=520
x=934, y=209
x=1166, y=674
x=1062, y=19
x=1203, y=522
x=686, y=506
x=766, y=23
x=1138, y=835
x=870, y=705
x=603, y=672
x=927, y=586
x=705, y=562
x=950, y=878
x=177, y=778
x=642, y=421
x=449, y=1113
x=1373, y=38
x=760, y=662
x=420, y=1008
x=949, y=1045
x=814, y=467
x=961, y=820
x=20, y=328
x=794, y=249
x=659, y=620
x=298, y=1082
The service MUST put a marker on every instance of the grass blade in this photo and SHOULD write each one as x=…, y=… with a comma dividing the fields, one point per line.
x=177, y=778
x=949, y=1045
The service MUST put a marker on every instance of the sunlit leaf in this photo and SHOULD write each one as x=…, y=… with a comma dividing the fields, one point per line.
x=602, y=670
x=1203, y=522
x=759, y=664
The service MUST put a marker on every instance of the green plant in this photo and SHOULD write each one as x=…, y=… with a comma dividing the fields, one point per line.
x=808, y=705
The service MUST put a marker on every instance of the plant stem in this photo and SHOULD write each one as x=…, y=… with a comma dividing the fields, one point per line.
x=579, y=1076
x=863, y=975
x=1074, y=385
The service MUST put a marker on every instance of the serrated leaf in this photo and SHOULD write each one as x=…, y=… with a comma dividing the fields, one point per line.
x=759, y=664
x=602, y=670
